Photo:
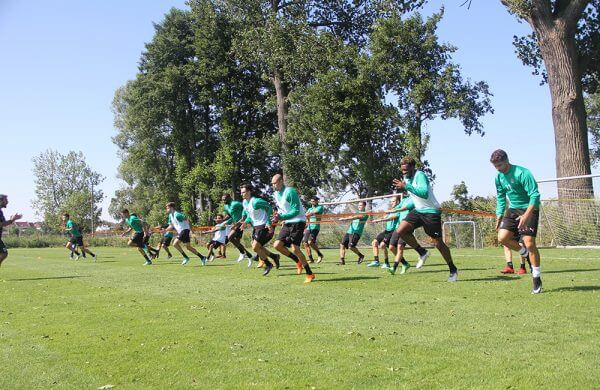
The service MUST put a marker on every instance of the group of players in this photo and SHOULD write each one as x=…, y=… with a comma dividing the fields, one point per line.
x=517, y=226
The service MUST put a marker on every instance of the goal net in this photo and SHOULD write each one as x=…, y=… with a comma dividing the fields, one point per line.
x=570, y=212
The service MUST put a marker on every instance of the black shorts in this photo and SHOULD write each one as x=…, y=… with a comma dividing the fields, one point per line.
x=215, y=244
x=77, y=240
x=432, y=223
x=236, y=233
x=510, y=223
x=138, y=239
x=3, y=248
x=384, y=237
x=396, y=240
x=310, y=235
x=292, y=233
x=184, y=236
x=147, y=239
x=165, y=241
x=350, y=240
x=261, y=234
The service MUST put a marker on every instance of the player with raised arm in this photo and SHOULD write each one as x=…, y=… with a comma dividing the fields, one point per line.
x=179, y=222
x=137, y=239
x=76, y=237
x=383, y=239
x=353, y=234
x=257, y=213
x=291, y=212
x=426, y=214
x=312, y=231
x=234, y=209
x=5, y=222
x=521, y=220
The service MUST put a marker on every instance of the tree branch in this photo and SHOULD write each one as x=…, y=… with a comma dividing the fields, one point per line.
x=572, y=12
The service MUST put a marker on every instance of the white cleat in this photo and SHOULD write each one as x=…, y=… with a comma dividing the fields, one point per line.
x=241, y=257
x=422, y=260
x=249, y=262
x=453, y=276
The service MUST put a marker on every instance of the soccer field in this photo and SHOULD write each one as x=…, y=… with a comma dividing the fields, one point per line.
x=78, y=324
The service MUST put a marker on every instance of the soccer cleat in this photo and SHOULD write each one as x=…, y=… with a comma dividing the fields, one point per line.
x=385, y=266
x=508, y=270
x=341, y=262
x=309, y=278
x=169, y=256
x=148, y=262
x=392, y=270
x=537, y=285
x=405, y=268
x=319, y=259
x=311, y=260
x=268, y=268
x=241, y=257
x=203, y=260
x=185, y=260
x=261, y=264
x=249, y=262
x=276, y=261
x=522, y=271
x=453, y=276
x=360, y=259
x=422, y=259
x=298, y=267
x=373, y=264
x=211, y=258
x=95, y=258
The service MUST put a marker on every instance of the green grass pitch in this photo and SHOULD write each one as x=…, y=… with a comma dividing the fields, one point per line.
x=76, y=324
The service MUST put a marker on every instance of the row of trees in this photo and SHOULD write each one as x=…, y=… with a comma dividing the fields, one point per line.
x=331, y=93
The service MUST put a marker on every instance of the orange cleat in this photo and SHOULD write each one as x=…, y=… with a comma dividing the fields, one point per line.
x=522, y=271
x=299, y=267
x=309, y=278
x=261, y=264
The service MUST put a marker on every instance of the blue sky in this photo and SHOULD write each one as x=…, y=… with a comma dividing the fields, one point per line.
x=63, y=60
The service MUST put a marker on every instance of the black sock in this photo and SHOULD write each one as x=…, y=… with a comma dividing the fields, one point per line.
x=396, y=263
x=83, y=253
x=75, y=251
x=294, y=257
x=403, y=261
x=522, y=265
x=310, y=257
x=267, y=262
x=319, y=253
x=93, y=255
x=248, y=253
x=387, y=261
x=420, y=250
x=272, y=255
x=510, y=264
x=376, y=258
x=146, y=257
x=183, y=254
x=307, y=268
x=199, y=255
x=452, y=267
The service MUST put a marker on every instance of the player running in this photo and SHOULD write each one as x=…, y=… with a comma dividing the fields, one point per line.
x=220, y=232
x=233, y=210
x=179, y=222
x=137, y=239
x=291, y=212
x=353, y=233
x=397, y=244
x=426, y=213
x=310, y=234
x=165, y=241
x=4, y=222
x=76, y=238
x=383, y=239
x=522, y=217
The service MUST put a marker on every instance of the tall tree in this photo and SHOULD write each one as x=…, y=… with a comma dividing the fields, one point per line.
x=417, y=69
x=63, y=183
x=593, y=122
x=566, y=43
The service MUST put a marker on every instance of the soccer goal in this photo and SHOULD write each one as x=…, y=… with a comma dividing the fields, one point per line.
x=460, y=234
x=570, y=212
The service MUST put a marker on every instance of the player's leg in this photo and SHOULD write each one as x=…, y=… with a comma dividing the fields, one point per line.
x=509, y=267
x=343, y=246
x=375, y=249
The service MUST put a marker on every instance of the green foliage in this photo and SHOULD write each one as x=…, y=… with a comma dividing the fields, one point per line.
x=63, y=184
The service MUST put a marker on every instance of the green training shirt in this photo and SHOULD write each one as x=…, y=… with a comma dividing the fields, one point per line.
x=318, y=209
x=73, y=228
x=358, y=224
x=421, y=193
x=257, y=212
x=234, y=209
x=520, y=187
x=409, y=204
x=135, y=223
x=289, y=206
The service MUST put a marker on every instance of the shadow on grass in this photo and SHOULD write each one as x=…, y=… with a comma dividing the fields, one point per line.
x=490, y=278
x=348, y=278
x=48, y=278
x=572, y=270
x=575, y=288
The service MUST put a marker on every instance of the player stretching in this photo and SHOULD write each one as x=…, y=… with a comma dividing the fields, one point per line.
x=397, y=244
x=219, y=231
x=137, y=239
x=234, y=210
x=291, y=212
x=179, y=222
x=522, y=218
x=353, y=234
x=310, y=234
x=257, y=212
x=383, y=239
x=426, y=213
x=4, y=222
x=76, y=237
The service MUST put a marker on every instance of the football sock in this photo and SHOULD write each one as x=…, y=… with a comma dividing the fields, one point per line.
x=536, y=272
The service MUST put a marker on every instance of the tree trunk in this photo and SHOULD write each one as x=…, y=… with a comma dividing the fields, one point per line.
x=282, y=110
